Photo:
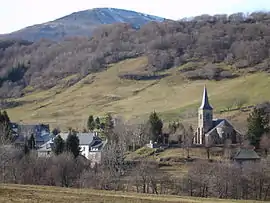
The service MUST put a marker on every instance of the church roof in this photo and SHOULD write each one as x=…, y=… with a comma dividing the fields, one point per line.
x=205, y=102
x=224, y=123
x=220, y=123
x=216, y=123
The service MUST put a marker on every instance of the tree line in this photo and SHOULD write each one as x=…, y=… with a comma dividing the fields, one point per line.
x=220, y=179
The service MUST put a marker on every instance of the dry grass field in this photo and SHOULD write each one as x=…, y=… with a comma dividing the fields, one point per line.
x=104, y=92
x=174, y=159
x=42, y=194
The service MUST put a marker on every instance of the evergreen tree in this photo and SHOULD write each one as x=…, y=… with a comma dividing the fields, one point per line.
x=91, y=123
x=5, y=117
x=156, y=126
x=5, y=126
x=72, y=143
x=97, y=121
x=32, y=142
x=55, y=131
x=26, y=149
x=1, y=117
x=108, y=127
x=102, y=126
x=258, y=124
x=59, y=145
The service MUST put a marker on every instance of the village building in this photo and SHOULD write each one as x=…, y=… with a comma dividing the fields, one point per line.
x=22, y=133
x=246, y=155
x=213, y=131
x=90, y=144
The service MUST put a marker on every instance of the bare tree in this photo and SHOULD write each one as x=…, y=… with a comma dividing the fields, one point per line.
x=256, y=180
x=227, y=149
x=178, y=133
x=199, y=179
x=9, y=159
x=5, y=134
x=113, y=164
x=208, y=145
x=138, y=135
x=66, y=170
x=188, y=136
x=146, y=176
x=265, y=143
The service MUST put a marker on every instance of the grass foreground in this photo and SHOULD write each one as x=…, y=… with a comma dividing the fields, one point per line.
x=42, y=194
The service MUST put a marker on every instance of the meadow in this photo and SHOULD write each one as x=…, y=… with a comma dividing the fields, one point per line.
x=46, y=194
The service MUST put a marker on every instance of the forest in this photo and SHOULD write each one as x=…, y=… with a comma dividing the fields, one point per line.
x=237, y=41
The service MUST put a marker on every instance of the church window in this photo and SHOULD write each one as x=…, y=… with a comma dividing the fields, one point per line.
x=200, y=116
x=207, y=116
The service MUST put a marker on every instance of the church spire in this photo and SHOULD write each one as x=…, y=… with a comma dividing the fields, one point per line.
x=205, y=103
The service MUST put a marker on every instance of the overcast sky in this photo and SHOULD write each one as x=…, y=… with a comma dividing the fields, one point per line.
x=17, y=14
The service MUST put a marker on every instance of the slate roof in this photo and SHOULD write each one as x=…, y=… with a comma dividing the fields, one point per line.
x=98, y=144
x=205, y=102
x=43, y=137
x=219, y=123
x=246, y=154
x=19, y=140
x=85, y=138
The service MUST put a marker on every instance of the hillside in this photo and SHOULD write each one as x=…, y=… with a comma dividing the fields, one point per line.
x=131, y=72
x=82, y=23
x=22, y=193
x=173, y=96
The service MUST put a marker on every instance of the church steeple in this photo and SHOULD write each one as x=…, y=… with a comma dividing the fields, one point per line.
x=205, y=102
x=205, y=119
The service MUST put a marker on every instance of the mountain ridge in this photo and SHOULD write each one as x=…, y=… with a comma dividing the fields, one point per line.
x=81, y=23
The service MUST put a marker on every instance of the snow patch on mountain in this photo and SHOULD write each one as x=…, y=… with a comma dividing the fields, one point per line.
x=82, y=23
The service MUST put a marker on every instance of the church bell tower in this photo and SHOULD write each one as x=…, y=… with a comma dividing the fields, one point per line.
x=205, y=119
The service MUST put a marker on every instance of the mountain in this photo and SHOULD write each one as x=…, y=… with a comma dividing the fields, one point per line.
x=82, y=24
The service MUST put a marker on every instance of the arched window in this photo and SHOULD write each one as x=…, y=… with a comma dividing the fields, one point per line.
x=207, y=116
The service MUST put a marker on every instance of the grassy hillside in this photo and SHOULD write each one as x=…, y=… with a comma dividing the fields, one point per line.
x=173, y=96
x=22, y=193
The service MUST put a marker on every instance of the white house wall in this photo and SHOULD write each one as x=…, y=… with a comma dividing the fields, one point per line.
x=84, y=150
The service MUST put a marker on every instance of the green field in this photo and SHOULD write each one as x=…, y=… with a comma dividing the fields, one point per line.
x=99, y=93
x=42, y=194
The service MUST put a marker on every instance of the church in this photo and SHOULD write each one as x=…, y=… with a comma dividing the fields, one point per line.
x=212, y=131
